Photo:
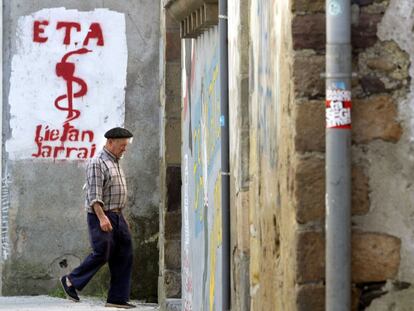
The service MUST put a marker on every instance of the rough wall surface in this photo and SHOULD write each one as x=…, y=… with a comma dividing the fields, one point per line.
x=272, y=221
x=380, y=151
x=238, y=12
x=169, y=280
x=43, y=221
x=201, y=163
x=277, y=113
x=390, y=161
x=286, y=179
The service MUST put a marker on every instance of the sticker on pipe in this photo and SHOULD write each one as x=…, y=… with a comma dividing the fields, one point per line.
x=338, y=108
x=334, y=8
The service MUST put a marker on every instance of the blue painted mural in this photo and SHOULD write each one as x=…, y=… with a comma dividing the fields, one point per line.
x=201, y=230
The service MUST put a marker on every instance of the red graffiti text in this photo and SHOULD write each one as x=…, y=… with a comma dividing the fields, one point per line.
x=68, y=28
x=52, y=143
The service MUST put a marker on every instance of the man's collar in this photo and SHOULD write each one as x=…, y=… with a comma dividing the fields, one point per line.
x=110, y=154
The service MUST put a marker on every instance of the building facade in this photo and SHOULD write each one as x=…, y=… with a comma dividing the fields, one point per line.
x=71, y=71
x=277, y=153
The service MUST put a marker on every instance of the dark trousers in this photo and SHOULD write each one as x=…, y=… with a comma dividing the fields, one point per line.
x=114, y=248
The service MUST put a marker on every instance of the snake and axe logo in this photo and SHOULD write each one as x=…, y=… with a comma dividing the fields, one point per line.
x=66, y=70
x=51, y=143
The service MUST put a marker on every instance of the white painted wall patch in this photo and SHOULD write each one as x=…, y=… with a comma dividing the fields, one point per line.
x=67, y=83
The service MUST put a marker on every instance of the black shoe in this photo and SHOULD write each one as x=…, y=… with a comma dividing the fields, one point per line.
x=70, y=291
x=119, y=304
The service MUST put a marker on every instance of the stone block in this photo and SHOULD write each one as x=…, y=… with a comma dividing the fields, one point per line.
x=372, y=85
x=172, y=281
x=360, y=191
x=310, y=126
x=310, y=190
x=364, y=32
x=242, y=225
x=310, y=257
x=170, y=22
x=309, y=32
x=173, y=181
x=173, y=46
x=172, y=253
x=173, y=90
x=307, y=69
x=375, y=257
x=172, y=228
x=375, y=118
x=172, y=142
x=311, y=297
x=308, y=6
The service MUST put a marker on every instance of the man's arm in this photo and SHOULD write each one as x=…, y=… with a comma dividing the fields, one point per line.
x=103, y=219
x=95, y=180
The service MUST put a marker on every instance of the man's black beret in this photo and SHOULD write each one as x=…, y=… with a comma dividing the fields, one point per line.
x=118, y=132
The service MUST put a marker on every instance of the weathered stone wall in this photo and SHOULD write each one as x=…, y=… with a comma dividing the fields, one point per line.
x=285, y=175
x=238, y=12
x=271, y=204
x=378, y=143
x=277, y=154
x=42, y=213
x=169, y=280
x=387, y=158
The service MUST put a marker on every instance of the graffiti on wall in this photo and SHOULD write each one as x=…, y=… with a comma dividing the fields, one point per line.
x=267, y=90
x=67, y=83
x=201, y=264
x=186, y=267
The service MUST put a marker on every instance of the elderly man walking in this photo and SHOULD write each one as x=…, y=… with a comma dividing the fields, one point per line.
x=109, y=232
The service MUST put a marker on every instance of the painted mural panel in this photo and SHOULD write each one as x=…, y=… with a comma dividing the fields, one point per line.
x=67, y=83
x=202, y=241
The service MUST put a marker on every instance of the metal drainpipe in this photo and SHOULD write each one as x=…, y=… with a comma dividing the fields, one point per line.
x=225, y=166
x=338, y=155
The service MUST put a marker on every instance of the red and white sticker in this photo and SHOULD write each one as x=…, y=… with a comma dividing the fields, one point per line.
x=338, y=108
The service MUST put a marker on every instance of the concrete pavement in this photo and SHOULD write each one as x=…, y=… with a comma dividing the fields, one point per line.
x=41, y=303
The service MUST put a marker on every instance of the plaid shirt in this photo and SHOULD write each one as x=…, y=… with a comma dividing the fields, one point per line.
x=105, y=182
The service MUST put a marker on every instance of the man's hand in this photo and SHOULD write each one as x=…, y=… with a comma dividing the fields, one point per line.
x=104, y=222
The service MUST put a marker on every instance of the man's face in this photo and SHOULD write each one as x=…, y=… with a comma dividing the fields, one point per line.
x=118, y=146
